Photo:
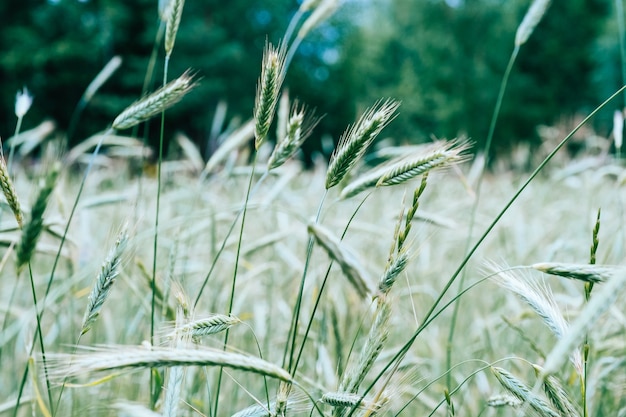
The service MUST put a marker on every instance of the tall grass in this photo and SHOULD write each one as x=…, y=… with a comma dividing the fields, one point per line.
x=332, y=298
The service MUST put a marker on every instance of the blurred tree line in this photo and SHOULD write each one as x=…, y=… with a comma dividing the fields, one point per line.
x=443, y=58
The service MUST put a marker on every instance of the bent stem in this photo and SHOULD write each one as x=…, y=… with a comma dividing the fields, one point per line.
x=492, y=128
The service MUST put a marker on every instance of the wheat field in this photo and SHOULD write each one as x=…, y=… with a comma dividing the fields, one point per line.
x=247, y=285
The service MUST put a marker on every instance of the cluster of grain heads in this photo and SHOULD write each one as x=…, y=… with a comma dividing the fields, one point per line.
x=213, y=324
x=442, y=155
x=503, y=400
x=343, y=400
x=541, y=300
x=355, y=374
x=138, y=357
x=104, y=281
x=556, y=394
x=518, y=389
x=582, y=272
x=354, y=142
x=268, y=89
x=155, y=103
x=174, y=12
x=404, y=168
x=340, y=253
x=298, y=128
x=601, y=301
x=531, y=19
x=32, y=229
x=176, y=373
x=9, y=191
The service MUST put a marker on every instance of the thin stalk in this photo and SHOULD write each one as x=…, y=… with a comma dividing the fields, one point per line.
x=295, y=318
x=405, y=348
x=321, y=289
x=621, y=32
x=18, y=127
x=58, y=255
x=223, y=245
x=40, y=338
x=156, y=230
x=492, y=128
x=234, y=280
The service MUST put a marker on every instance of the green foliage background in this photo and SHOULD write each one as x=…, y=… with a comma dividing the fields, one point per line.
x=444, y=62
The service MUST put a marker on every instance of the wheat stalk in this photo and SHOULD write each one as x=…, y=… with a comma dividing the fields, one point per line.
x=531, y=19
x=392, y=271
x=540, y=299
x=32, y=229
x=347, y=399
x=581, y=272
x=104, y=282
x=9, y=191
x=299, y=127
x=323, y=10
x=597, y=305
x=339, y=252
x=521, y=391
x=504, y=400
x=354, y=142
x=138, y=357
x=557, y=396
x=174, y=13
x=371, y=349
x=155, y=103
x=203, y=327
x=442, y=155
x=268, y=87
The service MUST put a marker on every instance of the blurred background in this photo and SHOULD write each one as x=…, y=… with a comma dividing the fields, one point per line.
x=444, y=59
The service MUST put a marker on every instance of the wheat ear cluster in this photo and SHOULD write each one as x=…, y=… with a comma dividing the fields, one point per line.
x=557, y=396
x=354, y=142
x=441, y=155
x=155, y=103
x=138, y=357
x=531, y=19
x=504, y=400
x=9, y=192
x=104, y=281
x=540, y=299
x=268, y=89
x=175, y=12
x=371, y=349
x=582, y=272
x=299, y=127
x=523, y=393
x=32, y=229
x=207, y=326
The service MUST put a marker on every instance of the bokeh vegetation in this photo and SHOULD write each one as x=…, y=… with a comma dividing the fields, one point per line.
x=442, y=59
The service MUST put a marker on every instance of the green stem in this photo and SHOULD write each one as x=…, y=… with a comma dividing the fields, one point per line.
x=234, y=280
x=321, y=289
x=295, y=318
x=156, y=232
x=492, y=128
x=40, y=338
x=223, y=245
